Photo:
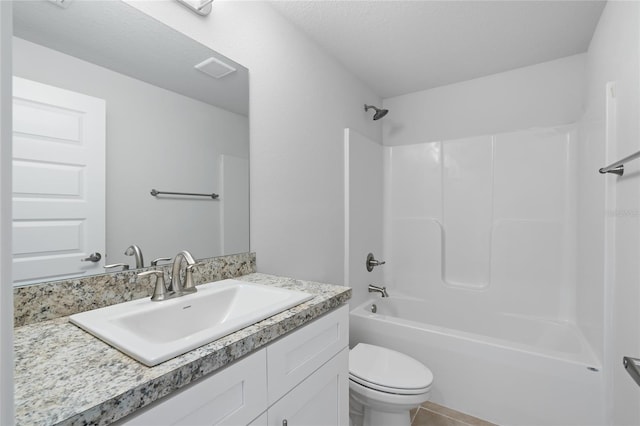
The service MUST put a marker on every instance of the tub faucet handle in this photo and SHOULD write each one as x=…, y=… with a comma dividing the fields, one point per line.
x=372, y=262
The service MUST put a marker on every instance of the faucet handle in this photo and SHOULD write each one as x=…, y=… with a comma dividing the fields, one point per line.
x=154, y=262
x=124, y=266
x=189, y=285
x=160, y=291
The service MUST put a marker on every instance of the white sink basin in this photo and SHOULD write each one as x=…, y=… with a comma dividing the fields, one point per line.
x=153, y=332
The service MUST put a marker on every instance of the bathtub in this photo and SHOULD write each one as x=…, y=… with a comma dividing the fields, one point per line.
x=505, y=368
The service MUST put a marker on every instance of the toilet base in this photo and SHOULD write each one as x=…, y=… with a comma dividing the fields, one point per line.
x=356, y=411
x=367, y=411
x=373, y=417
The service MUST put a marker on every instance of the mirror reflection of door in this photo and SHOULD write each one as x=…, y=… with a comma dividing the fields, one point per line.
x=58, y=182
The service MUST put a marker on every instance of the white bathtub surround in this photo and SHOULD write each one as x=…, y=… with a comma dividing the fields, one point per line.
x=502, y=368
x=480, y=233
x=484, y=229
x=486, y=221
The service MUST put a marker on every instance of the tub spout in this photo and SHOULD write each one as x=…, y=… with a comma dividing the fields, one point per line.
x=378, y=289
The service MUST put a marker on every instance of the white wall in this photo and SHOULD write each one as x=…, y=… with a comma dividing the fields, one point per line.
x=155, y=139
x=363, y=213
x=6, y=290
x=301, y=102
x=612, y=230
x=547, y=94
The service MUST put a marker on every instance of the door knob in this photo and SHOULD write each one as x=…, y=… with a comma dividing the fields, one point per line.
x=93, y=257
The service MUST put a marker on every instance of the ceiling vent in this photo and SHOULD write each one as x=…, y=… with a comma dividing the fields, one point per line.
x=215, y=68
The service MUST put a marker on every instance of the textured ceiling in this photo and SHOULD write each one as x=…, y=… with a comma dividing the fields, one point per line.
x=398, y=47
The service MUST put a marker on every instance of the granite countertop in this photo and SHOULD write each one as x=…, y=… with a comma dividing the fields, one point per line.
x=66, y=376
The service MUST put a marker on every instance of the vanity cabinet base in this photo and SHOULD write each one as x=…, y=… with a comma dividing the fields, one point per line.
x=301, y=378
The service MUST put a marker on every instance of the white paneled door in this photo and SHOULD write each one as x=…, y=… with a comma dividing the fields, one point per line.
x=58, y=182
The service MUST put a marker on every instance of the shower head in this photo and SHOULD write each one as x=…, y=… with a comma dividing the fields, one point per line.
x=379, y=112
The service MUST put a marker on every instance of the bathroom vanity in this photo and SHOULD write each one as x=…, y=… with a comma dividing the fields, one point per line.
x=301, y=379
x=289, y=367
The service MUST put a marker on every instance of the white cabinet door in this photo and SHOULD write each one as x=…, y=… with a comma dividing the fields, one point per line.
x=58, y=181
x=232, y=397
x=320, y=400
x=293, y=358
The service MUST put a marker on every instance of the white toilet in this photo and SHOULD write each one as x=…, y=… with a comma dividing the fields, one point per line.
x=384, y=385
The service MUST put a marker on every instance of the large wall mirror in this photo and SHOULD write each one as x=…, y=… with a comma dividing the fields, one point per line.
x=110, y=104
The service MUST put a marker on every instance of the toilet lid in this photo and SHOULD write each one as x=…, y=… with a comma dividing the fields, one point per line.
x=387, y=370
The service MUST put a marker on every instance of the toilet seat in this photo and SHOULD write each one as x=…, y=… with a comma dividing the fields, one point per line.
x=388, y=371
x=387, y=389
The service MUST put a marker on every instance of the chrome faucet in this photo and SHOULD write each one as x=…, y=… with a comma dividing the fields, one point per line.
x=175, y=284
x=134, y=250
x=378, y=289
x=176, y=288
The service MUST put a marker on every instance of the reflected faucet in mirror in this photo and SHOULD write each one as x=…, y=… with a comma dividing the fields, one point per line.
x=134, y=250
x=124, y=266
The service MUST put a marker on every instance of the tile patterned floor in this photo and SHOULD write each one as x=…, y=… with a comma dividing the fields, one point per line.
x=430, y=414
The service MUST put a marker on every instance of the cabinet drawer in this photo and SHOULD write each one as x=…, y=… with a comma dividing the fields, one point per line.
x=233, y=396
x=320, y=400
x=293, y=358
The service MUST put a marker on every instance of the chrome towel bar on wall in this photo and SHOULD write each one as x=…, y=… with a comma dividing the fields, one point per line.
x=618, y=167
x=156, y=193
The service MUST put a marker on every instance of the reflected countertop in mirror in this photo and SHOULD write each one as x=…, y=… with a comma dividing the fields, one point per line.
x=166, y=125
